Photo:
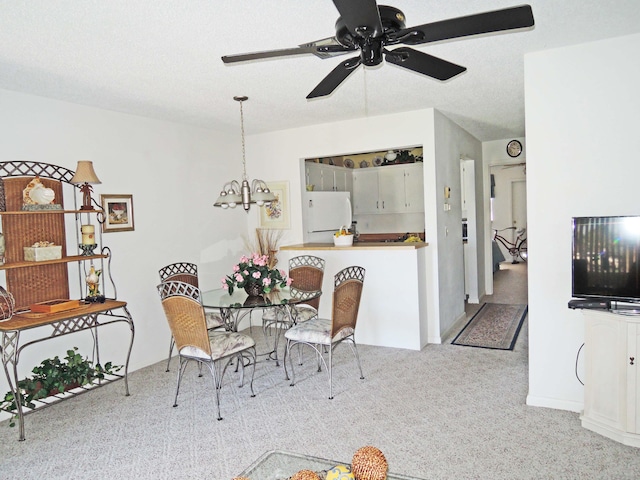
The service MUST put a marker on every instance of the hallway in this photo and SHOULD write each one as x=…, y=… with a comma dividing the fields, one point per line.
x=509, y=286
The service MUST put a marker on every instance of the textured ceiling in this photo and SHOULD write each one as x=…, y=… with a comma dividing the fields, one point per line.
x=161, y=59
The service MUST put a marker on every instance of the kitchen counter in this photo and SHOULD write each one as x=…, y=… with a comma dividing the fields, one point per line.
x=358, y=246
x=393, y=308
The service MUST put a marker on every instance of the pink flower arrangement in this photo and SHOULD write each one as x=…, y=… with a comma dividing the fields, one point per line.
x=255, y=269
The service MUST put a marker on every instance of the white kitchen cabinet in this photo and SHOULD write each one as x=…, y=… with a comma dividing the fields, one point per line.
x=365, y=191
x=391, y=189
x=612, y=381
x=328, y=178
x=414, y=188
x=313, y=175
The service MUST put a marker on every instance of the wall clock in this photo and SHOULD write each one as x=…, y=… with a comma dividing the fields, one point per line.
x=514, y=148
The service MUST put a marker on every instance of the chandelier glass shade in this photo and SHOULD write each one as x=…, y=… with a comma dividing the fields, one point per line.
x=234, y=193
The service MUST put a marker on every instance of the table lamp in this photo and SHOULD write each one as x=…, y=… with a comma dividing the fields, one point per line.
x=85, y=176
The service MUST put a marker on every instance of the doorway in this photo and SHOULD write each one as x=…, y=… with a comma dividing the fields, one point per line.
x=509, y=201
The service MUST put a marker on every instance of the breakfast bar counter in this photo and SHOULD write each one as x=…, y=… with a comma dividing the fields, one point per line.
x=359, y=246
x=393, y=309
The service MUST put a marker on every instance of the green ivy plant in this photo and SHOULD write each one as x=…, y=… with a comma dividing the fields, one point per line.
x=55, y=376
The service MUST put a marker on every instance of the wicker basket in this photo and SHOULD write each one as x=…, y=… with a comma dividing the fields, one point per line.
x=369, y=463
x=7, y=305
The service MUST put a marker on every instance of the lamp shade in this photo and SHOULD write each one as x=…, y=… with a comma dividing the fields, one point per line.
x=85, y=173
x=263, y=197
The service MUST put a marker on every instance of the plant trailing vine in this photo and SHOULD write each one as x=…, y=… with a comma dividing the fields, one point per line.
x=54, y=376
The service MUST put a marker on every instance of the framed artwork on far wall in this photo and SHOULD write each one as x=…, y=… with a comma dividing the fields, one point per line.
x=118, y=213
x=276, y=215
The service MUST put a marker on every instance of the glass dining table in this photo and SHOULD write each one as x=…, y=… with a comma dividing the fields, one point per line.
x=235, y=307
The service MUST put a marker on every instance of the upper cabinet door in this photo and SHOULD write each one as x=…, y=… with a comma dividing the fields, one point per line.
x=414, y=188
x=314, y=175
x=391, y=190
x=365, y=191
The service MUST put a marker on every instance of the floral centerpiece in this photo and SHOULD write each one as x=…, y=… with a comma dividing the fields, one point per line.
x=255, y=270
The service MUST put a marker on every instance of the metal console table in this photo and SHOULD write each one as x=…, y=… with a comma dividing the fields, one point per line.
x=88, y=316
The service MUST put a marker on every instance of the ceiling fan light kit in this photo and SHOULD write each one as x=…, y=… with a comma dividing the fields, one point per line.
x=369, y=28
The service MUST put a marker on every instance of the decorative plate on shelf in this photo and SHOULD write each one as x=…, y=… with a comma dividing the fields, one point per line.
x=377, y=161
x=364, y=164
x=348, y=163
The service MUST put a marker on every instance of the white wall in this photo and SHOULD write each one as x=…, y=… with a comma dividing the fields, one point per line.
x=451, y=144
x=174, y=172
x=581, y=114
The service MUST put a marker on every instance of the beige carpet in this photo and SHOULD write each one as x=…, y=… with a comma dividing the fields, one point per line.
x=442, y=413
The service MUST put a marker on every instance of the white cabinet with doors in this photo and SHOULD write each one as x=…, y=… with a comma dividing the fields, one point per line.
x=328, y=178
x=390, y=189
x=365, y=191
x=612, y=379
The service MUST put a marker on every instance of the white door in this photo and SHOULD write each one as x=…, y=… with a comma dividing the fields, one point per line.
x=518, y=205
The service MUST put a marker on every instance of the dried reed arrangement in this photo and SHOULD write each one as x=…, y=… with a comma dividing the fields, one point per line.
x=267, y=242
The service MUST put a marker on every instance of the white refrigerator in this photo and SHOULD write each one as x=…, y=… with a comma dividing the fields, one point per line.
x=324, y=213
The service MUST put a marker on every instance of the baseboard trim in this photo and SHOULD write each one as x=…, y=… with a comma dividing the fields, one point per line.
x=460, y=322
x=534, y=401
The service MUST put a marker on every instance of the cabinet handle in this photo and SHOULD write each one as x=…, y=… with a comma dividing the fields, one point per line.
x=631, y=359
x=383, y=204
x=377, y=205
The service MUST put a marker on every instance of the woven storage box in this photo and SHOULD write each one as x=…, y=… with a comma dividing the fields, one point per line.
x=39, y=254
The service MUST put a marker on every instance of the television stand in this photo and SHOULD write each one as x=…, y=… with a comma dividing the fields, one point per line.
x=612, y=378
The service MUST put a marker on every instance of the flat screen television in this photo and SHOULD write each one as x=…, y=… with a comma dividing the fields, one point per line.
x=606, y=251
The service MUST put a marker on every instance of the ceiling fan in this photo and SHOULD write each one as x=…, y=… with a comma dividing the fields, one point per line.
x=368, y=27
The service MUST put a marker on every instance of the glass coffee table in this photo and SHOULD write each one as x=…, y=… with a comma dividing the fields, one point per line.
x=279, y=465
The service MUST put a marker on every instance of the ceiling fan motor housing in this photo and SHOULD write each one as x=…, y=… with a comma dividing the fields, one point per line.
x=371, y=47
x=391, y=18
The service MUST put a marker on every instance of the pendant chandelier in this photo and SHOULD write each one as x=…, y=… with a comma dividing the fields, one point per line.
x=234, y=193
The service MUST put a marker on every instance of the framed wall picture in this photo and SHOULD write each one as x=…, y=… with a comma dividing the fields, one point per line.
x=118, y=213
x=277, y=214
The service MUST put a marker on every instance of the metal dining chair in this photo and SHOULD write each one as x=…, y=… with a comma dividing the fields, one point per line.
x=188, y=273
x=307, y=273
x=323, y=333
x=183, y=308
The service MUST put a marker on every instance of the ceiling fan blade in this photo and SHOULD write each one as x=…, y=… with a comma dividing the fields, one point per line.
x=487, y=22
x=423, y=63
x=322, y=51
x=335, y=78
x=329, y=47
x=361, y=17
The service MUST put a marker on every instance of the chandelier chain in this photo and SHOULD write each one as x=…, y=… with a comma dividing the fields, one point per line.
x=244, y=162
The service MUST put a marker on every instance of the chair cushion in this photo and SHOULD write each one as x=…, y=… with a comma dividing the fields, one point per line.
x=305, y=312
x=214, y=320
x=316, y=331
x=228, y=343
